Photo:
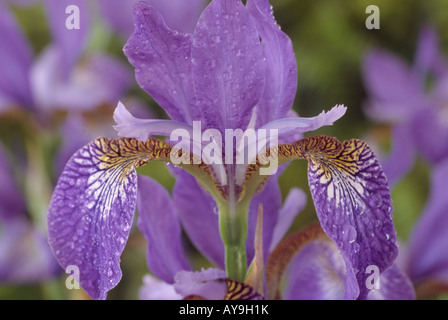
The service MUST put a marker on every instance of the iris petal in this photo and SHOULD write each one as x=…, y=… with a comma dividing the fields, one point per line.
x=159, y=224
x=352, y=200
x=227, y=65
x=162, y=59
x=92, y=208
x=353, y=203
x=281, y=65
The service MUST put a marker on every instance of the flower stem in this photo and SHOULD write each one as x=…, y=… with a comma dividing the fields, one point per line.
x=233, y=228
x=233, y=217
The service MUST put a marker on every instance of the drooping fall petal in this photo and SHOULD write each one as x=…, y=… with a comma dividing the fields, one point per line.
x=353, y=203
x=92, y=208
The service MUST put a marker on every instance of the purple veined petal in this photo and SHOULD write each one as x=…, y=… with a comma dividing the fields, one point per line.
x=392, y=83
x=293, y=204
x=352, y=200
x=393, y=285
x=281, y=65
x=427, y=249
x=179, y=15
x=162, y=61
x=227, y=65
x=155, y=289
x=401, y=157
x=207, y=283
x=91, y=213
x=15, y=62
x=317, y=272
x=159, y=224
x=198, y=214
x=236, y=290
x=70, y=42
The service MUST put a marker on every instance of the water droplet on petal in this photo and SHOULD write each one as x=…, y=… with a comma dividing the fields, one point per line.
x=376, y=200
x=110, y=272
x=349, y=233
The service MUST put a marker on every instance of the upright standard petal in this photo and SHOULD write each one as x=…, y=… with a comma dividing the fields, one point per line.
x=162, y=61
x=159, y=223
x=281, y=65
x=228, y=65
x=179, y=15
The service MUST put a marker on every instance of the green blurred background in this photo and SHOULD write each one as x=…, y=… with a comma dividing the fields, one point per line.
x=330, y=39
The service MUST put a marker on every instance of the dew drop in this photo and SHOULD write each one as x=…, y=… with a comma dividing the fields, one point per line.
x=226, y=76
x=215, y=39
x=110, y=273
x=125, y=226
x=376, y=200
x=349, y=233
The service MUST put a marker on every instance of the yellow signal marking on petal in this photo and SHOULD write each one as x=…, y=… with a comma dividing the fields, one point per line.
x=323, y=151
x=130, y=153
x=239, y=291
x=327, y=157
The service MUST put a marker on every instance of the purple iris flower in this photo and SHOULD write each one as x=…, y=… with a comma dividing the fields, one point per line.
x=236, y=71
x=62, y=76
x=412, y=98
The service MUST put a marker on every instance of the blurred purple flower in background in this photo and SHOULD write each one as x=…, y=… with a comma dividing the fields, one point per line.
x=412, y=98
